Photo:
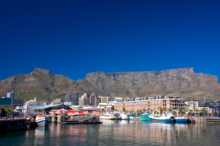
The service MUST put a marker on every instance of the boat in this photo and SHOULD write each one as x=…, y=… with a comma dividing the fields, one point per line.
x=131, y=116
x=145, y=117
x=163, y=118
x=181, y=119
x=124, y=116
x=105, y=116
x=114, y=116
x=42, y=120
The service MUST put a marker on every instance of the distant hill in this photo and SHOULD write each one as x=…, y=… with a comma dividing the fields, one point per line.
x=45, y=85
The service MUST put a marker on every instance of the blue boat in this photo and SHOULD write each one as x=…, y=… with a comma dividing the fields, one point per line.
x=181, y=119
x=145, y=117
x=163, y=118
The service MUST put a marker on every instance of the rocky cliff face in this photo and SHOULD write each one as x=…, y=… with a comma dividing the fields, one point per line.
x=45, y=85
x=183, y=82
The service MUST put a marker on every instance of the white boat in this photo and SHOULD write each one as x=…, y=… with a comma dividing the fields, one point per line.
x=163, y=118
x=42, y=120
x=124, y=116
x=105, y=116
x=114, y=116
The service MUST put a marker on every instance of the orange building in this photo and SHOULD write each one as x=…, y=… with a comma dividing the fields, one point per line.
x=152, y=103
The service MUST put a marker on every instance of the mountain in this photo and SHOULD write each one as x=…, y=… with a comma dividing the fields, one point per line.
x=182, y=82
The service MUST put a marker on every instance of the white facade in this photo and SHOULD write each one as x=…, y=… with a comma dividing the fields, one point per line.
x=28, y=108
x=192, y=104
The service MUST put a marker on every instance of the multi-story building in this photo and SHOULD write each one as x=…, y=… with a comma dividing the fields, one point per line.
x=83, y=101
x=10, y=100
x=191, y=104
x=74, y=98
x=67, y=98
x=103, y=99
x=93, y=99
x=5, y=101
x=86, y=95
x=151, y=103
x=12, y=96
x=71, y=99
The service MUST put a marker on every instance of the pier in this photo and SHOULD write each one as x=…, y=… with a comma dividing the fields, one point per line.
x=206, y=119
x=12, y=124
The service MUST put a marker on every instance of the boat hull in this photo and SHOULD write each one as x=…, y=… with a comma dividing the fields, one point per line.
x=144, y=118
x=124, y=117
x=42, y=121
x=181, y=120
x=161, y=119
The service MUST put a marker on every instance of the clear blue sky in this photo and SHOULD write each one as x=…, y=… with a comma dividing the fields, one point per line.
x=76, y=37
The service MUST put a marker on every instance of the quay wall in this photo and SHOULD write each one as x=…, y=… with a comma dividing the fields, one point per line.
x=13, y=124
x=206, y=120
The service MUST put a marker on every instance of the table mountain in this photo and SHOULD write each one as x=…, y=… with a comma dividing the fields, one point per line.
x=182, y=82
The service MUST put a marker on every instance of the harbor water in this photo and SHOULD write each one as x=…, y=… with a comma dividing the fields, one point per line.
x=116, y=133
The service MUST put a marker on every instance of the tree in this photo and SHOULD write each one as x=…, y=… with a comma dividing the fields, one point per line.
x=160, y=109
x=170, y=110
x=203, y=110
x=164, y=110
x=190, y=112
x=112, y=108
x=180, y=110
x=174, y=112
x=155, y=112
x=8, y=110
x=196, y=110
x=151, y=111
x=184, y=111
x=124, y=109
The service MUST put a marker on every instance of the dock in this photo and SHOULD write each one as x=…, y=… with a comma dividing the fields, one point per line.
x=12, y=124
x=83, y=122
x=205, y=119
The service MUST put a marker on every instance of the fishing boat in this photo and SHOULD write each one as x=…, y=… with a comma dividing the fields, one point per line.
x=131, y=116
x=163, y=118
x=114, y=116
x=145, y=117
x=42, y=120
x=124, y=116
x=181, y=119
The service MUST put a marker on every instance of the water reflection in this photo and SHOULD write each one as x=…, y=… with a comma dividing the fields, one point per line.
x=120, y=132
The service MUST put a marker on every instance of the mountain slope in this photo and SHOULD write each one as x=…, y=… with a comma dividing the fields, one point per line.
x=45, y=85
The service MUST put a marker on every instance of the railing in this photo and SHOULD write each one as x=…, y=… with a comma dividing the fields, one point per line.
x=12, y=118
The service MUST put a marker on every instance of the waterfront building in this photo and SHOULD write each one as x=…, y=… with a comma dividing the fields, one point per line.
x=151, y=103
x=93, y=99
x=32, y=107
x=191, y=104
